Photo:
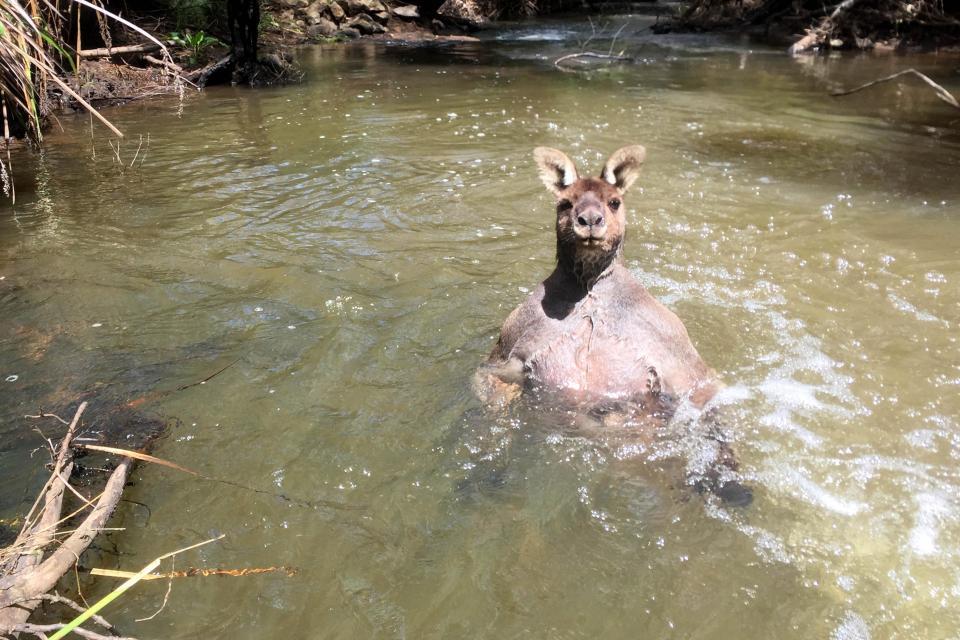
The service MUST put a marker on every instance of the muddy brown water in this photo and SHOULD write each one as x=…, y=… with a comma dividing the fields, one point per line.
x=355, y=241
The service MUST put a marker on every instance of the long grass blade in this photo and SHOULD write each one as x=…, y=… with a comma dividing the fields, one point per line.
x=145, y=457
x=119, y=591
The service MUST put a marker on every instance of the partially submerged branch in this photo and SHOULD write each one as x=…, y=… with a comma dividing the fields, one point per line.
x=941, y=93
x=559, y=62
x=26, y=585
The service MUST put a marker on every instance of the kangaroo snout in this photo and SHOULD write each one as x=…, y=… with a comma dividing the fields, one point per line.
x=589, y=219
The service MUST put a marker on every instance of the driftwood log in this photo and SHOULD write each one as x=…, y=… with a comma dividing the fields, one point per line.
x=26, y=575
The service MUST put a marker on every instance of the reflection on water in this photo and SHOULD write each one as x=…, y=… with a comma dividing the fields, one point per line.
x=356, y=241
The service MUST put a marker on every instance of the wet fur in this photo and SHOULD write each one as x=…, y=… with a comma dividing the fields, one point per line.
x=591, y=337
x=591, y=332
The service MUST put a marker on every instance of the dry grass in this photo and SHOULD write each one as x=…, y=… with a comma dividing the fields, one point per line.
x=35, y=58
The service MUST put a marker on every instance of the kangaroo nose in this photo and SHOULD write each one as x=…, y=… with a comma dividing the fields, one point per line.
x=592, y=218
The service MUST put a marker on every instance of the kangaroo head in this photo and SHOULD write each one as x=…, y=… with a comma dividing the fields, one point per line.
x=591, y=218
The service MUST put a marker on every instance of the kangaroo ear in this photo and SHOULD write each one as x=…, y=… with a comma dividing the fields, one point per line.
x=623, y=167
x=556, y=170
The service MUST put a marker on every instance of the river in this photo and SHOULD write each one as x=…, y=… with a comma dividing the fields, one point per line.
x=352, y=244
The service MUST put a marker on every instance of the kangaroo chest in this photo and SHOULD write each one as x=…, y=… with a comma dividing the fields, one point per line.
x=594, y=351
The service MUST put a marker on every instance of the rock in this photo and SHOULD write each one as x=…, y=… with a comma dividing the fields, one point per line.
x=406, y=11
x=381, y=16
x=322, y=29
x=365, y=25
x=349, y=32
x=314, y=13
x=336, y=12
x=355, y=7
x=462, y=12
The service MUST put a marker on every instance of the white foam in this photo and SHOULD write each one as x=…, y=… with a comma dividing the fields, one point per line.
x=798, y=485
x=852, y=627
x=931, y=509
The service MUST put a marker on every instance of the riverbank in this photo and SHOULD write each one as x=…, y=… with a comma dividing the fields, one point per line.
x=807, y=26
x=131, y=69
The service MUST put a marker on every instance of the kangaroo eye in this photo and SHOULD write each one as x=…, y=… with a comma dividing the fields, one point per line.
x=614, y=204
x=564, y=205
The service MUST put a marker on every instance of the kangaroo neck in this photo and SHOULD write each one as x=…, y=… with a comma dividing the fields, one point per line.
x=586, y=268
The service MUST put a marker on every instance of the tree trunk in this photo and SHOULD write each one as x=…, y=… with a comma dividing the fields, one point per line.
x=244, y=19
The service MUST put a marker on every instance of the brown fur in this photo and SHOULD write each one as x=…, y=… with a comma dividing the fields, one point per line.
x=591, y=332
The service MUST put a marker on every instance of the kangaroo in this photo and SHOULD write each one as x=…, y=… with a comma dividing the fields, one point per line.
x=591, y=334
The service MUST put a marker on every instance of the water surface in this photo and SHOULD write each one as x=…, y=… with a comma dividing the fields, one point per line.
x=354, y=242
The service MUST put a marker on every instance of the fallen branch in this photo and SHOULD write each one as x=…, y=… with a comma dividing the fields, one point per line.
x=41, y=631
x=164, y=63
x=590, y=54
x=58, y=599
x=34, y=536
x=26, y=586
x=106, y=52
x=942, y=93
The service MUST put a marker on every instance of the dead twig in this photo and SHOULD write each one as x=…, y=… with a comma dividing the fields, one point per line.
x=41, y=631
x=941, y=93
x=58, y=599
x=44, y=414
x=164, y=63
x=166, y=596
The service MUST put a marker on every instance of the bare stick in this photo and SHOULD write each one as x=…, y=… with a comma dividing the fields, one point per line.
x=942, y=93
x=44, y=414
x=139, y=146
x=166, y=596
x=28, y=529
x=164, y=63
x=40, y=630
x=615, y=36
x=148, y=47
x=55, y=597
